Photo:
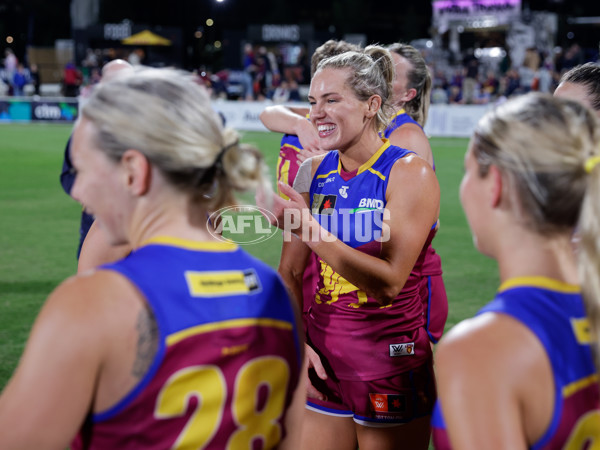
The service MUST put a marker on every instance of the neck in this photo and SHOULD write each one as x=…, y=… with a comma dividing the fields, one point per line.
x=535, y=255
x=358, y=153
x=176, y=217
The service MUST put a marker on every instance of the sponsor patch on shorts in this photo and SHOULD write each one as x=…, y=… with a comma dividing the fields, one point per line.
x=405, y=349
x=388, y=403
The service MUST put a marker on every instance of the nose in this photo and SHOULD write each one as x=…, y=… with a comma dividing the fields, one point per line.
x=316, y=111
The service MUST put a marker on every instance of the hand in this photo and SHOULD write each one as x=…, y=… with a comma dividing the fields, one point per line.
x=288, y=213
x=314, y=361
x=308, y=136
x=304, y=154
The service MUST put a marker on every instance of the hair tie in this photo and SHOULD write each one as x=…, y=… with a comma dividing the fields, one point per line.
x=219, y=160
x=207, y=174
x=591, y=163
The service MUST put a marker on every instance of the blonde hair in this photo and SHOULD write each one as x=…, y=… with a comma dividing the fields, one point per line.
x=330, y=48
x=168, y=117
x=541, y=145
x=418, y=78
x=371, y=73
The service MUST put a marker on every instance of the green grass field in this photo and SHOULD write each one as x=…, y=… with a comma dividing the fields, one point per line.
x=39, y=230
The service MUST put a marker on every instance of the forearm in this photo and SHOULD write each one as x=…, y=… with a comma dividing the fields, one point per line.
x=379, y=278
x=280, y=119
x=294, y=256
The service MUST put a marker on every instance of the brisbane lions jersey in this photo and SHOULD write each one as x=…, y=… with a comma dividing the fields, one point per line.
x=228, y=357
x=554, y=312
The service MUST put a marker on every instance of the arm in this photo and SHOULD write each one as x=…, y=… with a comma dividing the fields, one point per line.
x=412, y=137
x=493, y=399
x=294, y=257
x=52, y=390
x=282, y=119
x=96, y=250
x=413, y=204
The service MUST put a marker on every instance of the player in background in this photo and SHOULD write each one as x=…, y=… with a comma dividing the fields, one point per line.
x=188, y=342
x=521, y=373
x=582, y=83
x=371, y=374
x=110, y=70
x=412, y=92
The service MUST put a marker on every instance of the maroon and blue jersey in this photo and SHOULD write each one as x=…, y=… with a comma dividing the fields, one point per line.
x=555, y=313
x=287, y=163
x=228, y=357
x=360, y=338
x=436, y=302
x=399, y=119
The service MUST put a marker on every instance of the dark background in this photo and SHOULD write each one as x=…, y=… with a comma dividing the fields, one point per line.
x=41, y=22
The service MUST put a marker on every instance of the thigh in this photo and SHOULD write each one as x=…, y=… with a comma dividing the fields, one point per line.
x=436, y=307
x=324, y=432
x=394, y=400
x=414, y=435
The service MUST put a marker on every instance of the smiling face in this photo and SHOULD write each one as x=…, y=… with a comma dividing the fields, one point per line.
x=98, y=183
x=339, y=116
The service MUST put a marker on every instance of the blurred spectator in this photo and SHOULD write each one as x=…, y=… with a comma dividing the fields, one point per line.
x=10, y=63
x=471, y=74
x=438, y=94
x=528, y=71
x=570, y=58
x=136, y=57
x=34, y=77
x=286, y=91
x=455, y=94
x=91, y=59
x=294, y=92
x=512, y=83
x=250, y=69
x=544, y=76
x=4, y=88
x=19, y=80
x=86, y=88
x=72, y=79
x=490, y=85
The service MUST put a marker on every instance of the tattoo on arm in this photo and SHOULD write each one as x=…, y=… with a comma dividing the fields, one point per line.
x=147, y=344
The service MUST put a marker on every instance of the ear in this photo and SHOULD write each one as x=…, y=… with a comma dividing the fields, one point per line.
x=138, y=171
x=410, y=94
x=373, y=105
x=495, y=186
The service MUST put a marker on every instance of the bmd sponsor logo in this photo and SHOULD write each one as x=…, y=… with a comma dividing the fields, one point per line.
x=371, y=203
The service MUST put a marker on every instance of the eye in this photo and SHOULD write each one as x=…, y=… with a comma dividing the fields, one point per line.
x=331, y=100
x=312, y=102
x=73, y=171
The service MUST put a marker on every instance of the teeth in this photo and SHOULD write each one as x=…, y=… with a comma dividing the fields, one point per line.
x=325, y=127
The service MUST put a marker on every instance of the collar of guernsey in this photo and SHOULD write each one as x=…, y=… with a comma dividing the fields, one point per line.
x=539, y=282
x=207, y=246
x=369, y=163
